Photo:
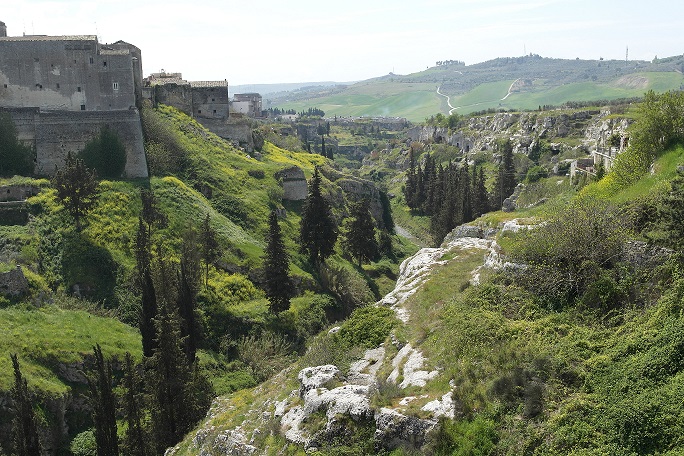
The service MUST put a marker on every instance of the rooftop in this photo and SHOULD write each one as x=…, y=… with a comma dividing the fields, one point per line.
x=49, y=38
x=201, y=84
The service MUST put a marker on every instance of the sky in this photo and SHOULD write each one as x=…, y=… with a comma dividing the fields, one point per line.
x=278, y=41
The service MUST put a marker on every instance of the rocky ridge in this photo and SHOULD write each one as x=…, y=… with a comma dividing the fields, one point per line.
x=313, y=413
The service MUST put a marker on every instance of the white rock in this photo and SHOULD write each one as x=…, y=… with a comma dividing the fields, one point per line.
x=444, y=407
x=316, y=377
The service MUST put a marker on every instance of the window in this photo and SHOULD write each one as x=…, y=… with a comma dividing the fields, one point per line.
x=214, y=111
x=104, y=64
x=213, y=99
x=78, y=89
x=199, y=111
x=115, y=85
x=82, y=107
x=5, y=85
x=91, y=60
x=58, y=85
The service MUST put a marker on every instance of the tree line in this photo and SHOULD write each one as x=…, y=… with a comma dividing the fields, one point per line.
x=454, y=194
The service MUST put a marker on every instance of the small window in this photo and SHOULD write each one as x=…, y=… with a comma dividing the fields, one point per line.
x=199, y=111
x=78, y=89
x=91, y=60
x=115, y=85
x=104, y=64
x=214, y=111
x=5, y=85
x=213, y=99
x=58, y=85
x=82, y=107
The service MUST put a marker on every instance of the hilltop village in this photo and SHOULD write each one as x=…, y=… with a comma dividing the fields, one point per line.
x=62, y=90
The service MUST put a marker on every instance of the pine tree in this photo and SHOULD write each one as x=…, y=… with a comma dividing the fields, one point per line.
x=359, y=233
x=318, y=231
x=278, y=284
x=76, y=187
x=135, y=441
x=26, y=440
x=323, y=147
x=104, y=406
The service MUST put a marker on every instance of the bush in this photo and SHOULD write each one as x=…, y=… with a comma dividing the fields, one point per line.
x=265, y=354
x=15, y=158
x=106, y=154
x=367, y=327
x=464, y=438
x=84, y=444
x=564, y=255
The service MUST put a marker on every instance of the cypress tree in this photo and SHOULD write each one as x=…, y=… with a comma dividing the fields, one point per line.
x=188, y=286
x=104, y=406
x=278, y=284
x=209, y=247
x=148, y=312
x=411, y=186
x=318, y=231
x=26, y=440
x=359, y=234
x=135, y=441
x=466, y=194
x=168, y=377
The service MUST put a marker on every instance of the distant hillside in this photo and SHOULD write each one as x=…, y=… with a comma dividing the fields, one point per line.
x=504, y=83
x=266, y=89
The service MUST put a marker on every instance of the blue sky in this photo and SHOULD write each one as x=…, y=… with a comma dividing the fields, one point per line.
x=269, y=41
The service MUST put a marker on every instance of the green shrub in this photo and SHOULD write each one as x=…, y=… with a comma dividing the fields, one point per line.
x=106, y=154
x=265, y=354
x=84, y=444
x=464, y=438
x=15, y=158
x=565, y=255
x=367, y=327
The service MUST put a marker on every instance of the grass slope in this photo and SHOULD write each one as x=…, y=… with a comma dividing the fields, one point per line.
x=412, y=98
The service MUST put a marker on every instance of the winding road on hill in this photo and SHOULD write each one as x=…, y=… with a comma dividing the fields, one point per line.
x=452, y=108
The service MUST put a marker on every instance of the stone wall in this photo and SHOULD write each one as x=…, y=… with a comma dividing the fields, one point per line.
x=17, y=192
x=294, y=183
x=72, y=73
x=210, y=100
x=57, y=133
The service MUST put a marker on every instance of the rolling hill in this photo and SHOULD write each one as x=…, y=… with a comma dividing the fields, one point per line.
x=504, y=83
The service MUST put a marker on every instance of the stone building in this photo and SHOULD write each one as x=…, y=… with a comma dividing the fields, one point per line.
x=248, y=104
x=62, y=90
x=202, y=99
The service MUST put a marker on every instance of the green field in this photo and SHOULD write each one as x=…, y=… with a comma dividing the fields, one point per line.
x=416, y=101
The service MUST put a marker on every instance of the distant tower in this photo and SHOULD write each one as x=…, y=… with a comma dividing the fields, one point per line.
x=627, y=55
x=3, y=29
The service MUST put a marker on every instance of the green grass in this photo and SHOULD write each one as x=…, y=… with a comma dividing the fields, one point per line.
x=417, y=101
x=414, y=101
x=47, y=337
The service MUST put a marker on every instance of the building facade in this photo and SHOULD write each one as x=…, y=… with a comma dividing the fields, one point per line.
x=62, y=90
